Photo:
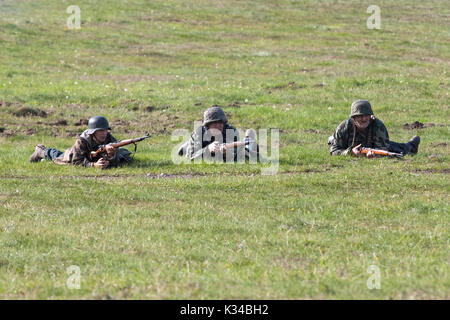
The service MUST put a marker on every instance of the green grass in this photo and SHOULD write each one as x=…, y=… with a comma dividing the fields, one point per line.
x=163, y=231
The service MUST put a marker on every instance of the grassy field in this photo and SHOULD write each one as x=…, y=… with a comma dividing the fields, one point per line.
x=156, y=230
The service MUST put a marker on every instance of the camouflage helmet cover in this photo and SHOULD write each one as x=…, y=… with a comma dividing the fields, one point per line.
x=97, y=123
x=361, y=107
x=214, y=114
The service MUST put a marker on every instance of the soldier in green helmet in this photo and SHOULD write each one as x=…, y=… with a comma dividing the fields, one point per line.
x=98, y=133
x=363, y=129
x=209, y=141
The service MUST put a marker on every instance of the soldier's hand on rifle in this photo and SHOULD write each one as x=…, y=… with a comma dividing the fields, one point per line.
x=214, y=147
x=110, y=150
x=370, y=154
x=223, y=148
x=356, y=151
x=101, y=163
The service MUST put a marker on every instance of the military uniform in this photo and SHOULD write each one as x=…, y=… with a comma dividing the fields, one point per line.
x=200, y=140
x=80, y=152
x=346, y=137
x=375, y=136
x=197, y=146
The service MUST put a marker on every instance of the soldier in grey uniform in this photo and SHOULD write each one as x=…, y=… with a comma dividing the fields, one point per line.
x=208, y=140
x=98, y=133
x=362, y=129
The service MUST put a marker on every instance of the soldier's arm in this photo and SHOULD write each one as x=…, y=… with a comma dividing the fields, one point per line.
x=81, y=154
x=340, y=145
x=195, y=144
x=115, y=159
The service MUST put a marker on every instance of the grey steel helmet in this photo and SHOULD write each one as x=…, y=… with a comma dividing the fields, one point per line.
x=97, y=123
x=361, y=107
x=214, y=114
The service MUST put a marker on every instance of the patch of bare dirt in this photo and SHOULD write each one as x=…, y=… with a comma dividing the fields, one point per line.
x=163, y=123
x=311, y=130
x=7, y=133
x=70, y=133
x=440, y=144
x=4, y=103
x=81, y=122
x=30, y=131
x=61, y=122
x=413, y=125
x=120, y=122
x=235, y=104
x=419, y=125
x=27, y=111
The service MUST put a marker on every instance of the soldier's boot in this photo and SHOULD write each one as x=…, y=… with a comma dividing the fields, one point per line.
x=414, y=143
x=39, y=153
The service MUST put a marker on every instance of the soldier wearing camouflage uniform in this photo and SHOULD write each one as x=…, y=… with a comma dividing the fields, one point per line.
x=79, y=154
x=207, y=140
x=362, y=129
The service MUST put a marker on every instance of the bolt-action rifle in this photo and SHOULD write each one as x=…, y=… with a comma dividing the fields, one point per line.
x=102, y=149
x=250, y=141
x=381, y=152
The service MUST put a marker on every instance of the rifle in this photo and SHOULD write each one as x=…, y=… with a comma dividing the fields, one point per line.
x=102, y=149
x=381, y=152
x=248, y=141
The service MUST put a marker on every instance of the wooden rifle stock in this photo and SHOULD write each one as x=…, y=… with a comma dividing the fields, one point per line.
x=381, y=152
x=102, y=148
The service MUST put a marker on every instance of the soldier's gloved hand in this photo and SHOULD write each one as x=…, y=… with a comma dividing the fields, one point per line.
x=223, y=148
x=214, y=147
x=356, y=151
x=101, y=163
x=110, y=150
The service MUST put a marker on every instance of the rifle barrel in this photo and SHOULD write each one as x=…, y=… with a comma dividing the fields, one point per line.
x=118, y=144
x=381, y=152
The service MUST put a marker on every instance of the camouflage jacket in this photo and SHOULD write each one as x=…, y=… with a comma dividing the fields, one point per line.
x=347, y=137
x=200, y=140
x=79, y=153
